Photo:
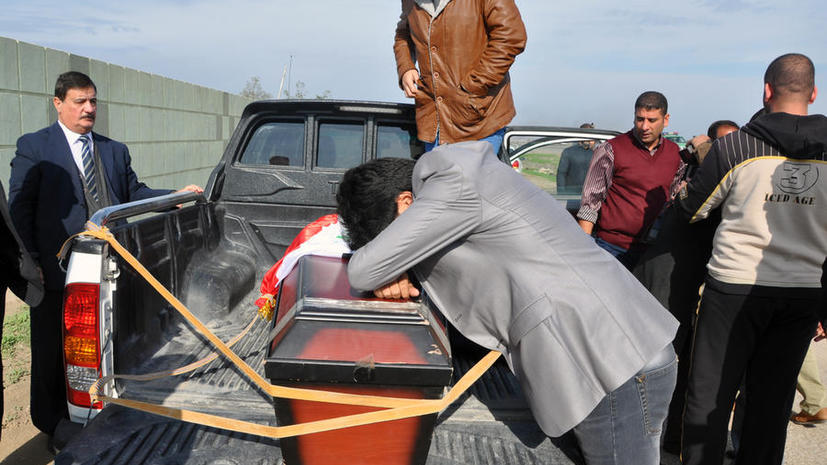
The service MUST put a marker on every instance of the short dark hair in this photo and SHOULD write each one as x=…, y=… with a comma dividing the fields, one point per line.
x=791, y=74
x=587, y=126
x=713, y=128
x=367, y=197
x=72, y=80
x=651, y=100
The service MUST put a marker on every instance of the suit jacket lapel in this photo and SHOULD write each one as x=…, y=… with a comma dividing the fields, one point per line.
x=61, y=155
x=104, y=150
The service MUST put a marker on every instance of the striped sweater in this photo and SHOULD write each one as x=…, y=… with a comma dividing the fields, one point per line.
x=770, y=178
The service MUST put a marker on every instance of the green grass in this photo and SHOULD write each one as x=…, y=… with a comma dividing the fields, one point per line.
x=542, y=169
x=14, y=375
x=16, y=331
x=16, y=335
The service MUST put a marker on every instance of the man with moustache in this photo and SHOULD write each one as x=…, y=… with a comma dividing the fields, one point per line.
x=60, y=176
x=630, y=179
x=673, y=268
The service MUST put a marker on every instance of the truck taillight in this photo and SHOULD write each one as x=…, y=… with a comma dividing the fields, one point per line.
x=81, y=341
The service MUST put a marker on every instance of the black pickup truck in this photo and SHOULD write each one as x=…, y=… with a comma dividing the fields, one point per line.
x=279, y=172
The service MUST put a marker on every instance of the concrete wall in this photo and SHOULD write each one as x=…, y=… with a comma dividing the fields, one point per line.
x=175, y=131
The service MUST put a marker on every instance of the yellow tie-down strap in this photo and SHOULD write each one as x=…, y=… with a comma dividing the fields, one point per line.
x=395, y=408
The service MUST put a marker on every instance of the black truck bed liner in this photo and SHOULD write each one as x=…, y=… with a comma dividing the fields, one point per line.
x=491, y=423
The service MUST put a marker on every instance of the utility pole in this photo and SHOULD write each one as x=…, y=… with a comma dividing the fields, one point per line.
x=289, y=76
x=281, y=85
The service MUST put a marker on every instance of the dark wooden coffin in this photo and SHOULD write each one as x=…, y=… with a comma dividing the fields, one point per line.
x=328, y=336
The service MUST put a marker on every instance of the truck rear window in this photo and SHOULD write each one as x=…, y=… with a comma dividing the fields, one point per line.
x=276, y=143
x=341, y=144
x=398, y=141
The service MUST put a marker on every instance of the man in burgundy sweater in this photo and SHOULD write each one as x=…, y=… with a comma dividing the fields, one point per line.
x=630, y=179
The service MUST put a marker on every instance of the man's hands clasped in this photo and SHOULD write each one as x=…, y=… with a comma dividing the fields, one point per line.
x=401, y=288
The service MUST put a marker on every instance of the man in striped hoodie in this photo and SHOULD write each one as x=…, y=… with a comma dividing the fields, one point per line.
x=763, y=297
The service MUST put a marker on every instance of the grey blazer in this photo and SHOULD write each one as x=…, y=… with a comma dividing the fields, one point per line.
x=512, y=270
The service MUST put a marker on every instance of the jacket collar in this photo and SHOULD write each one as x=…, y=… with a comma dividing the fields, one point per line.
x=433, y=7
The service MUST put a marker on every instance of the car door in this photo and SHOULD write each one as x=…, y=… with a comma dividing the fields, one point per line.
x=554, y=159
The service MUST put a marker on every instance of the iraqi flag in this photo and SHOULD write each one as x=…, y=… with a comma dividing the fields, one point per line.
x=322, y=237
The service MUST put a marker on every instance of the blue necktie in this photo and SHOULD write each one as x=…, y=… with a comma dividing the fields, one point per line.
x=89, y=167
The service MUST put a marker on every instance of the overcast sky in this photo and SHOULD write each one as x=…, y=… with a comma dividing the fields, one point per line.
x=585, y=60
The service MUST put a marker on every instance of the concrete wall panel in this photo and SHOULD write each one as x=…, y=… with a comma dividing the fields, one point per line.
x=34, y=113
x=131, y=86
x=79, y=63
x=57, y=63
x=157, y=95
x=99, y=72
x=144, y=89
x=6, y=155
x=237, y=104
x=8, y=65
x=10, y=127
x=130, y=120
x=117, y=122
x=117, y=88
x=32, y=62
x=102, y=119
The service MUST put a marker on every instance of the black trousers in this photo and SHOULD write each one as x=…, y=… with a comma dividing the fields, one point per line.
x=48, y=390
x=673, y=270
x=762, y=338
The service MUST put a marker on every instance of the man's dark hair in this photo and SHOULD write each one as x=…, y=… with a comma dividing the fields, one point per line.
x=791, y=74
x=367, y=197
x=651, y=100
x=72, y=80
x=713, y=128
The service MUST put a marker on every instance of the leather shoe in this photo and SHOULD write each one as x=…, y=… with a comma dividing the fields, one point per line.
x=803, y=418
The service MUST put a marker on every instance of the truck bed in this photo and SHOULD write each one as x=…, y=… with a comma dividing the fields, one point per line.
x=271, y=181
x=491, y=423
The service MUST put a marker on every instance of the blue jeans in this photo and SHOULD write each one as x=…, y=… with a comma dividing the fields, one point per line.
x=625, y=427
x=628, y=257
x=496, y=140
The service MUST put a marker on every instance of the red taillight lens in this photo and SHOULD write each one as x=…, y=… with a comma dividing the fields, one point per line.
x=80, y=309
x=81, y=340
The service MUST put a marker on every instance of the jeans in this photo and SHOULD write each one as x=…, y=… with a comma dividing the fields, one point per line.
x=625, y=427
x=496, y=140
x=627, y=257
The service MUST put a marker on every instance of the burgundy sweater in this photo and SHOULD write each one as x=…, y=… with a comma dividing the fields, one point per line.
x=639, y=190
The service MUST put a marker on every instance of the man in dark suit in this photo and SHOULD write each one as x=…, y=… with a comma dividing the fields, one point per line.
x=18, y=271
x=60, y=176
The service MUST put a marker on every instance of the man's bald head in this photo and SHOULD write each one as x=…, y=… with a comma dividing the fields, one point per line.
x=791, y=76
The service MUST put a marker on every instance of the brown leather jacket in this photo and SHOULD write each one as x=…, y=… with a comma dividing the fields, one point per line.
x=464, y=55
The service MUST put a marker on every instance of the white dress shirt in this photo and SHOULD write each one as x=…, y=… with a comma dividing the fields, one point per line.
x=76, y=145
